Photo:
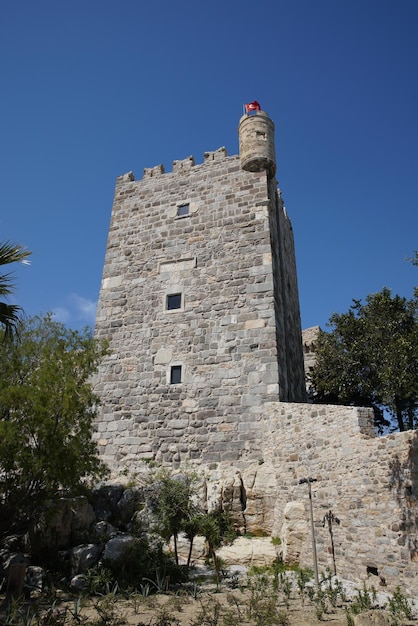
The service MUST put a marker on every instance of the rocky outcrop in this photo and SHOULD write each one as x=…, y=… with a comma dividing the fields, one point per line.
x=294, y=531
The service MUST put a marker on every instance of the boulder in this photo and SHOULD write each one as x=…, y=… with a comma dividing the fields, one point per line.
x=35, y=577
x=105, y=500
x=103, y=531
x=78, y=583
x=373, y=618
x=244, y=551
x=131, y=501
x=84, y=557
x=261, y=489
x=117, y=546
x=294, y=531
x=82, y=519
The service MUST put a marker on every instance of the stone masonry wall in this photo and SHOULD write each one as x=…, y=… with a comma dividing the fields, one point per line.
x=238, y=414
x=226, y=336
x=370, y=484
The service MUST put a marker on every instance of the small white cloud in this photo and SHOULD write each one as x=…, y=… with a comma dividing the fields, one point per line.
x=59, y=314
x=76, y=312
x=85, y=310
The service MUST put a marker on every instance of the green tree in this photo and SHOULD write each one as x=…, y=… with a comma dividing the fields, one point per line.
x=10, y=313
x=172, y=503
x=414, y=261
x=370, y=358
x=47, y=408
x=215, y=527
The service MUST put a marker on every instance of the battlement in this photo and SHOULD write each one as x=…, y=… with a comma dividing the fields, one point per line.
x=179, y=165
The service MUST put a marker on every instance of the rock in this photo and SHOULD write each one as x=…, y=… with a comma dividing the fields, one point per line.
x=294, y=531
x=254, y=551
x=130, y=502
x=103, y=531
x=52, y=531
x=82, y=519
x=233, y=498
x=116, y=547
x=261, y=487
x=84, y=557
x=78, y=583
x=105, y=500
x=373, y=618
x=35, y=577
x=183, y=545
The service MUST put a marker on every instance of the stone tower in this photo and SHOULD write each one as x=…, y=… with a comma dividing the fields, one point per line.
x=199, y=302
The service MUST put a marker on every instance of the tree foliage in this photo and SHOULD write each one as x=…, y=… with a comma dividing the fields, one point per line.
x=47, y=408
x=172, y=504
x=370, y=358
x=10, y=313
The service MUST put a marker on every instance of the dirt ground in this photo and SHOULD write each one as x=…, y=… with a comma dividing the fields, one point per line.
x=214, y=608
x=204, y=611
x=201, y=605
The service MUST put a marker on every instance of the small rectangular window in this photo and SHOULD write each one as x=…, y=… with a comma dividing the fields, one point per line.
x=173, y=301
x=183, y=210
x=175, y=375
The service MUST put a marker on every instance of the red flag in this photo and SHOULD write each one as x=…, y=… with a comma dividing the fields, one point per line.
x=253, y=106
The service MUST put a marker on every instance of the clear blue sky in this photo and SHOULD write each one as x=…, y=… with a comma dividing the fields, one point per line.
x=91, y=89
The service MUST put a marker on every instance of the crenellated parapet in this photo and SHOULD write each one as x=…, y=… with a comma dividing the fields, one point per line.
x=179, y=166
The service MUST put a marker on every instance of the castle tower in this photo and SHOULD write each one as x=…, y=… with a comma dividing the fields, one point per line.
x=199, y=302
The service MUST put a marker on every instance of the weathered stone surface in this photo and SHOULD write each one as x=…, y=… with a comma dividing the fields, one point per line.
x=238, y=415
x=294, y=531
x=261, y=489
x=105, y=501
x=78, y=583
x=373, y=618
x=116, y=547
x=254, y=551
x=35, y=577
x=130, y=501
x=83, y=517
x=84, y=557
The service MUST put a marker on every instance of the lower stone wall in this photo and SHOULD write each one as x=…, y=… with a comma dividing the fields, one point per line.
x=369, y=483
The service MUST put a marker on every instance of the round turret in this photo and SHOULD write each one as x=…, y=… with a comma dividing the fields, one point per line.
x=256, y=143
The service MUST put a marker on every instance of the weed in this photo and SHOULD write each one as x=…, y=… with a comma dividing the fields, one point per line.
x=286, y=588
x=108, y=612
x=233, y=601
x=262, y=606
x=303, y=577
x=160, y=583
x=349, y=617
x=320, y=603
x=399, y=606
x=165, y=618
x=332, y=592
x=177, y=602
x=208, y=615
x=363, y=601
x=99, y=581
x=283, y=618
